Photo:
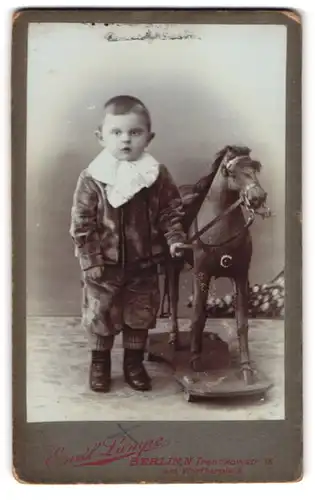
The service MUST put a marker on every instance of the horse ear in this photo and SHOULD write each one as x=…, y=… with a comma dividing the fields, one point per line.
x=220, y=155
x=239, y=150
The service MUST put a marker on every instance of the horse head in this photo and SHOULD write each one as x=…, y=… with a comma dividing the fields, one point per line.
x=241, y=173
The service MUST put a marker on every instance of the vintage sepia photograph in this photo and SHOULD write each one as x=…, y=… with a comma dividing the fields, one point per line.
x=156, y=179
x=155, y=193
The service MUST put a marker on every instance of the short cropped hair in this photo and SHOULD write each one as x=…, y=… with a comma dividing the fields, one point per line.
x=124, y=104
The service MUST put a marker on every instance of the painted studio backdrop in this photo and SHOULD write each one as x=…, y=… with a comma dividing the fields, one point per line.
x=214, y=86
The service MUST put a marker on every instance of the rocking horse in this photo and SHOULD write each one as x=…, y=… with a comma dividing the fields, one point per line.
x=219, y=248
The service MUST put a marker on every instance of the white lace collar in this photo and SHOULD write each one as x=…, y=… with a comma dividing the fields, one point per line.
x=123, y=179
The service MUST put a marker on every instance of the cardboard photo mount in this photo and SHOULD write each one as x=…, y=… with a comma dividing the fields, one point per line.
x=157, y=451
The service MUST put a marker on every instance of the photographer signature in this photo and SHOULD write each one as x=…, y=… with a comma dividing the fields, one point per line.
x=116, y=447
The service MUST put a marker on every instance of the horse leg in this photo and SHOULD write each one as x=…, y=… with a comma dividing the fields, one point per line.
x=174, y=296
x=165, y=313
x=241, y=315
x=201, y=281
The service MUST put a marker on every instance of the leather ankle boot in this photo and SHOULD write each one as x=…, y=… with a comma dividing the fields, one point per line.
x=134, y=371
x=100, y=371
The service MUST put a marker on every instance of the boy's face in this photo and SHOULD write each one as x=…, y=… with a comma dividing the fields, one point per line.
x=125, y=136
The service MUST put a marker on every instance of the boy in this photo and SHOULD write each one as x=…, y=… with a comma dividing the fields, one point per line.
x=124, y=201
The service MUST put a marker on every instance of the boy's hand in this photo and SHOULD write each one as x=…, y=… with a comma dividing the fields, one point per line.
x=177, y=249
x=94, y=273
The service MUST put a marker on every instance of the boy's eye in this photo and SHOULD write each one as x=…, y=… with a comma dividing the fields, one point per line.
x=116, y=132
x=136, y=132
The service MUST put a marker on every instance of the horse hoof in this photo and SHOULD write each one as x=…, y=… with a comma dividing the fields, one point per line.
x=248, y=376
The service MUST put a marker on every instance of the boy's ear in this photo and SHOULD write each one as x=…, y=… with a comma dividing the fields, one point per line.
x=98, y=135
x=151, y=137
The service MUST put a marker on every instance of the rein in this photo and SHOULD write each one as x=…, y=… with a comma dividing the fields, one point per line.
x=214, y=221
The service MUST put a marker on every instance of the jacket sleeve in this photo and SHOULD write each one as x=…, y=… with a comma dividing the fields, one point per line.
x=83, y=229
x=171, y=211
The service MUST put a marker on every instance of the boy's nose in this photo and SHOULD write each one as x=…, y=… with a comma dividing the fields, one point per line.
x=125, y=138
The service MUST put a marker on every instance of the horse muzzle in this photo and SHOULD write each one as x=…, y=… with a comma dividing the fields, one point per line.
x=254, y=196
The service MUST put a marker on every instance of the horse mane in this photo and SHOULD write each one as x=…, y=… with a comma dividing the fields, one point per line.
x=234, y=151
x=238, y=151
x=205, y=182
x=194, y=195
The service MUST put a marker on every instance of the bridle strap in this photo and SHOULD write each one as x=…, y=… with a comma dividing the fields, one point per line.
x=249, y=222
x=234, y=160
x=214, y=221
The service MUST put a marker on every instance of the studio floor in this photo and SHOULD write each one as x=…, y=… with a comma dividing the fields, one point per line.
x=57, y=378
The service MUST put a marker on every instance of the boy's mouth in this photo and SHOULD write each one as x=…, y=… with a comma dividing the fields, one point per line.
x=126, y=149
